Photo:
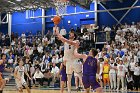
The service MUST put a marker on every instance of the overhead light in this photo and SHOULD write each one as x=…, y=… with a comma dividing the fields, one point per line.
x=18, y=0
x=11, y=2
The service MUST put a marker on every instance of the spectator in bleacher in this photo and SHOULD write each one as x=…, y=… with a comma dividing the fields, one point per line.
x=27, y=67
x=129, y=80
x=23, y=35
x=132, y=66
x=47, y=77
x=63, y=32
x=40, y=49
x=49, y=34
x=107, y=30
x=121, y=70
x=55, y=59
x=55, y=72
x=43, y=66
x=10, y=60
x=45, y=41
x=38, y=77
x=113, y=74
x=136, y=76
x=138, y=54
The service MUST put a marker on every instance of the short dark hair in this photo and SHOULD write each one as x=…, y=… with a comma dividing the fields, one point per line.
x=2, y=55
x=73, y=31
x=94, y=52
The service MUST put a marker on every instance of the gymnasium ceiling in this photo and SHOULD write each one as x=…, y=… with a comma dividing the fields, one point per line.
x=22, y=5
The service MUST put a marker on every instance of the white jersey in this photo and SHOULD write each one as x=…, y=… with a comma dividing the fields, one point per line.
x=20, y=71
x=78, y=66
x=68, y=51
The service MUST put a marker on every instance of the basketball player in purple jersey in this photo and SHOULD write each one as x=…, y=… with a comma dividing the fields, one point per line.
x=2, y=69
x=90, y=68
x=63, y=76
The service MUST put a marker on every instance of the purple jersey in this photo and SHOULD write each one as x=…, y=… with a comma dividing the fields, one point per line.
x=63, y=73
x=2, y=67
x=89, y=73
x=90, y=66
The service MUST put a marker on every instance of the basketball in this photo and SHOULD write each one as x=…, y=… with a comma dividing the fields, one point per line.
x=56, y=20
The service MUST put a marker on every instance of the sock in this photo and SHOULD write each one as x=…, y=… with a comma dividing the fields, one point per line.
x=1, y=91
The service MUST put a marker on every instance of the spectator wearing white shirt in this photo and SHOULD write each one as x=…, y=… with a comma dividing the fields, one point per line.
x=55, y=71
x=86, y=36
x=45, y=41
x=38, y=76
x=112, y=74
x=55, y=59
x=63, y=32
x=101, y=60
x=52, y=40
x=46, y=58
x=138, y=31
x=121, y=75
x=60, y=60
x=24, y=40
x=117, y=37
x=30, y=51
x=136, y=76
x=40, y=49
x=23, y=35
x=13, y=43
x=107, y=30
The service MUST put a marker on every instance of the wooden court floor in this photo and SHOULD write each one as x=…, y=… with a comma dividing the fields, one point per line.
x=57, y=91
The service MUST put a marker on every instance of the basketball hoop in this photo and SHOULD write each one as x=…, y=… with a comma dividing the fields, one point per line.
x=61, y=7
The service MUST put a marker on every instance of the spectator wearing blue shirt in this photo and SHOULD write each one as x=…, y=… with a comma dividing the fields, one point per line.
x=120, y=52
x=106, y=54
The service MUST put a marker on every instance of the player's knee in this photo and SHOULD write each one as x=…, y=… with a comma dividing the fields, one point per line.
x=20, y=90
x=99, y=90
x=69, y=76
x=4, y=81
x=26, y=86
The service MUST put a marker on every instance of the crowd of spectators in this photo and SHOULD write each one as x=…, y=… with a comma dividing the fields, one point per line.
x=120, y=56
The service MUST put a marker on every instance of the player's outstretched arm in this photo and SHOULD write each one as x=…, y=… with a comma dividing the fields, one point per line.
x=60, y=37
x=77, y=55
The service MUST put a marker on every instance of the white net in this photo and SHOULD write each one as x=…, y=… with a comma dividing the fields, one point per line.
x=61, y=7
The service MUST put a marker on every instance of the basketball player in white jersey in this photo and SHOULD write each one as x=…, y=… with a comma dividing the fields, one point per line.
x=78, y=75
x=19, y=77
x=69, y=58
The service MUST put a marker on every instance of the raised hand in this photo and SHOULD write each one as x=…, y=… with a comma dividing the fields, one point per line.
x=56, y=32
x=77, y=44
x=30, y=78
